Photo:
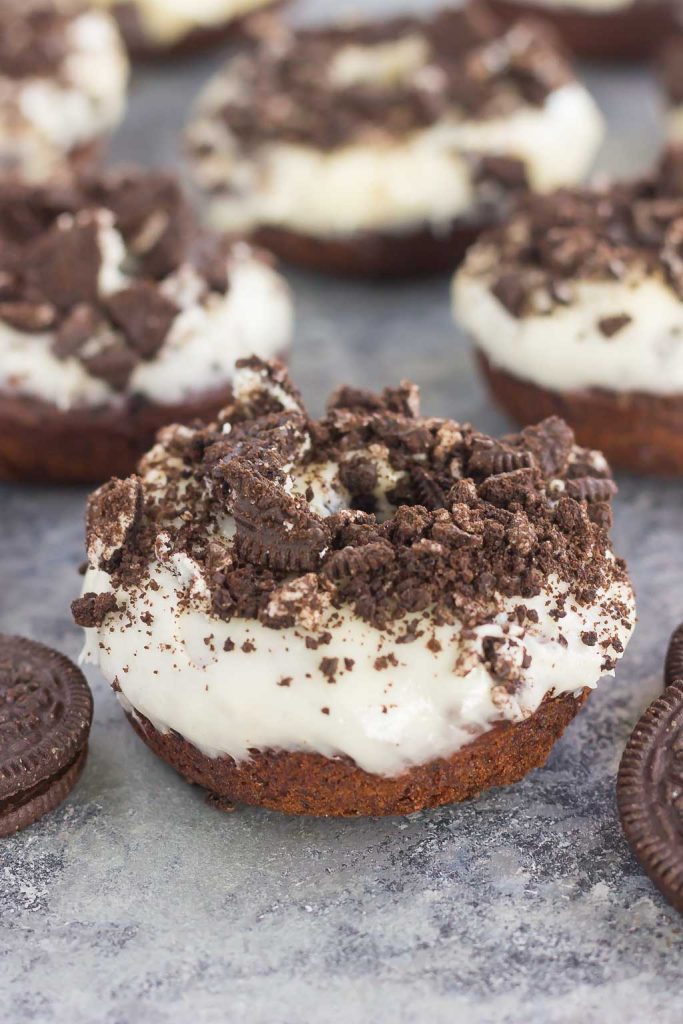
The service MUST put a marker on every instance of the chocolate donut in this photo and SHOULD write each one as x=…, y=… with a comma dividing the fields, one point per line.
x=576, y=309
x=383, y=148
x=118, y=314
x=368, y=613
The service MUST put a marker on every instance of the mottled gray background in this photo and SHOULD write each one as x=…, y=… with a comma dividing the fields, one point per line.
x=136, y=903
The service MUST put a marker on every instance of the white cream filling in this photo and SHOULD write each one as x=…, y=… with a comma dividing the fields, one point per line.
x=253, y=318
x=43, y=119
x=566, y=350
x=428, y=704
x=166, y=22
x=425, y=178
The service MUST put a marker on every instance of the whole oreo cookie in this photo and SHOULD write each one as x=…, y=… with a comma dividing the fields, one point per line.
x=650, y=793
x=673, y=665
x=45, y=718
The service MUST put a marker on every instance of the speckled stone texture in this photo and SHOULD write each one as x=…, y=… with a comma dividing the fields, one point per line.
x=135, y=902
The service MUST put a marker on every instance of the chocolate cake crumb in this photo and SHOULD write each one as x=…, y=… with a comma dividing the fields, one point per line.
x=611, y=325
x=91, y=610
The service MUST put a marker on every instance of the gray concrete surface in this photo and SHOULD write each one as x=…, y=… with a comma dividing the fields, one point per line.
x=135, y=902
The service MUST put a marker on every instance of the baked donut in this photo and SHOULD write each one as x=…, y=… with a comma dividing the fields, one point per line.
x=63, y=81
x=118, y=315
x=384, y=148
x=576, y=309
x=154, y=28
x=370, y=613
x=602, y=29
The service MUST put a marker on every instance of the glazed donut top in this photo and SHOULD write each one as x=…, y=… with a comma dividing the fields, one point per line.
x=621, y=233
x=99, y=273
x=327, y=87
x=401, y=520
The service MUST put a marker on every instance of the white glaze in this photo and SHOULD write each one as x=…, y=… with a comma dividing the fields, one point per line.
x=566, y=350
x=384, y=184
x=207, y=337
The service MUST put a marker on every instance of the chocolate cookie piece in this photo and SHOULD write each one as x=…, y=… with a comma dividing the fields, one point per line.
x=649, y=787
x=45, y=717
x=673, y=666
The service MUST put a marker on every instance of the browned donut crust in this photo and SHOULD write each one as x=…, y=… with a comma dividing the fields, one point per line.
x=43, y=444
x=303, y=783
x=636, y=431
x=375, y=254
x=636, y=31
x=144, y=48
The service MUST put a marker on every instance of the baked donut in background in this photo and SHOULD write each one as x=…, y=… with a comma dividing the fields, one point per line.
x=575, y=308
x=383, y=148
x=119, y=314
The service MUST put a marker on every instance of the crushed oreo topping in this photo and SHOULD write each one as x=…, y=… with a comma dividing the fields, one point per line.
x=94, y=263
x=463, y=520
x=621, y=232
x=294, y=86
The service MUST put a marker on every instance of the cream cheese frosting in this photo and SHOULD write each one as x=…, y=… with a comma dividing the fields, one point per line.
x=122, y=296
x=45, y=117
x=382, y=178
x=566, y=349
x=199, y=354
x=584, y=288
x=425, y=178
x=311, y=673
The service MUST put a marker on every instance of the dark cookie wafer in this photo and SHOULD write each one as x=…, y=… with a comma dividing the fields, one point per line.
x=650, y=793
x=45, y=717
x=673, y=666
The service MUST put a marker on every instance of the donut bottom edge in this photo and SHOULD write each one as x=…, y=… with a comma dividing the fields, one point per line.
x=635, y=31
x=375, y=254
x=635, y=431
x=302, y=783
x=40, y=443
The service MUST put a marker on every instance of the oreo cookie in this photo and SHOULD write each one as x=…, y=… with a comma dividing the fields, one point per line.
x=673, y=665
x=650, y=793
x=45, y=718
